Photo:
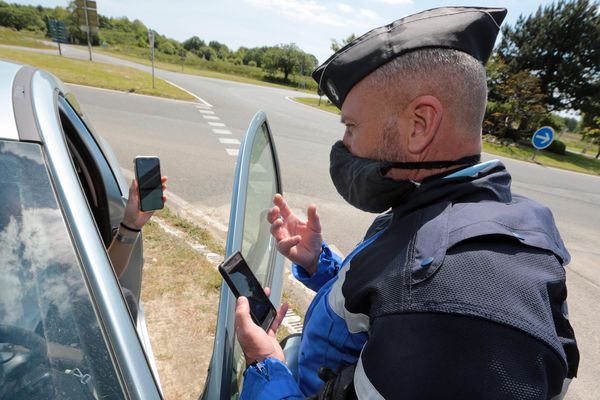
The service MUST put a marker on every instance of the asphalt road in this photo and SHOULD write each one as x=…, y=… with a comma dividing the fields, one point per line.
x=201, y=169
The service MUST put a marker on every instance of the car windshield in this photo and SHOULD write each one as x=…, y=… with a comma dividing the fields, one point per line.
x=51, y=341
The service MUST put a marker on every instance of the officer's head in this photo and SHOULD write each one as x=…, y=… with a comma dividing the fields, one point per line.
x=415, y=90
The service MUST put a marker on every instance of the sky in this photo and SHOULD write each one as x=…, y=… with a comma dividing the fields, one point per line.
x=251, y=23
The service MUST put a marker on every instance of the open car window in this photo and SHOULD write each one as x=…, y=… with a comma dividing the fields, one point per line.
x=256, y=181
x=51, y=340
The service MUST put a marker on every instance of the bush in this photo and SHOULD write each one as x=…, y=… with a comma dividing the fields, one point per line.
x=252, y=63
x=557, y=147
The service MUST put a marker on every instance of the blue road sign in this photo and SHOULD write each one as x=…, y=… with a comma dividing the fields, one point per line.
x=542, y=137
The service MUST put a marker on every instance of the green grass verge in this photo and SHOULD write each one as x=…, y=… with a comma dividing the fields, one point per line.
x=195, y=232
x=324, y=105
x=200, y=69
x=571, y=162
x=23, y=38
x=96, y=74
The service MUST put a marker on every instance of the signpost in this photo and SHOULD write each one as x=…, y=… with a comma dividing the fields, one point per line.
x=151, y=43
x=58, y=32
x=541, y=139
x=87, y=14
x=182, y=55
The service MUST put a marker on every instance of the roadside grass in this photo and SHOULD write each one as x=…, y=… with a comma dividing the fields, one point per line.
x=196, y=233
x=23, y=38
x=569, y=161
x=180, y=293
x=97, y=74
x=198, y=69
x=325, y=105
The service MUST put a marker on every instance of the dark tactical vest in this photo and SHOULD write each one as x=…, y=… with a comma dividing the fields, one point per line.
x=467, y=246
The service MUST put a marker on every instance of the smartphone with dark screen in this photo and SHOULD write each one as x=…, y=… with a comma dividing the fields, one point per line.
x=242, y=282
x=147, y=173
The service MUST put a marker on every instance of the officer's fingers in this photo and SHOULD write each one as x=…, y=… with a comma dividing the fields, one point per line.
x=277, y=230
x=278, y=319
x=285, y=245
x=280, y=202
x=163, y=179
x=267, y=291
x=273, y=214
x=314, y=222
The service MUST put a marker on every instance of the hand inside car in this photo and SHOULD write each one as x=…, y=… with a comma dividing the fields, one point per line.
x=298, y=240
x=257, y=344
x=133, y=216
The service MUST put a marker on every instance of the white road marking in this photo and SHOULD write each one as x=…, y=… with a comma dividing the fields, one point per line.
x=222, y=131
x=216, y=124
x=233, y=152
x=214, y=117
x=206, y=111
x=229, y=141
x=190, y=93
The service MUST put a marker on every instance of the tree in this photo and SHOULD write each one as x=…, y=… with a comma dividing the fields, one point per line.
x=285, y=58
x=516, y=102
x=560, y=44
x=335, y=45
x=194, y=44
x=220, y=49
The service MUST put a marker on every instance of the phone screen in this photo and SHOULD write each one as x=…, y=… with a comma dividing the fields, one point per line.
x=242, y=282
x=147, y=170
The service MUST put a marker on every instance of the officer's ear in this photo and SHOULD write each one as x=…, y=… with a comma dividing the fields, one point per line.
x=425, y=116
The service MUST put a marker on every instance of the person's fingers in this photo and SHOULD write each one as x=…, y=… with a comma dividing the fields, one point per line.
x=277, y=230
x=267, y=291
x=314, y=222
x=285, y=245
x=163, y=179
x=280, y=202
x=278, y=318
x=273, y=214
x=243, y=320
x=164, y=198
x=164, y=187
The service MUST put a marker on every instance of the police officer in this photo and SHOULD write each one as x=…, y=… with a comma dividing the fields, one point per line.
x=458, y=289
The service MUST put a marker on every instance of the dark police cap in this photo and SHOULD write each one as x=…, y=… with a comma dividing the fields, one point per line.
x=469, y=29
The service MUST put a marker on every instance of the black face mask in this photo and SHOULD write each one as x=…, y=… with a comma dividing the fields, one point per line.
x=363, y=184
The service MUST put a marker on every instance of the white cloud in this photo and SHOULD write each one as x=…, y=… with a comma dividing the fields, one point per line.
x=345, y=8
x=302, y=10
x=368, y=13
x=395, y=2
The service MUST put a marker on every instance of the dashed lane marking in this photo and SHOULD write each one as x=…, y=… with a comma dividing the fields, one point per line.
x=229, y=141
x=214, y=117
x=222, y=131
x=216, y=124
x=233, y=152
x=206, y=111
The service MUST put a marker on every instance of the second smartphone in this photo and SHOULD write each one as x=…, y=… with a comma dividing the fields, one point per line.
x=242, y=282
x=147, y=173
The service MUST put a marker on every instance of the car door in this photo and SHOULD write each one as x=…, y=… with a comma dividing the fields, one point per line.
x=257, y=180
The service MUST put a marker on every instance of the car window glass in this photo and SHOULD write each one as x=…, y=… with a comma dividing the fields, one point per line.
x=51, y=341
x=257, y=243
x=258, y=246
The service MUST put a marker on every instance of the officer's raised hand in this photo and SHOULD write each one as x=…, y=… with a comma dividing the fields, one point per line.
x=298, y=240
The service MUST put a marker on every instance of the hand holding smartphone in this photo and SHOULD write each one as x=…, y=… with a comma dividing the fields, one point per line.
x=242, y=282
x=147, y=173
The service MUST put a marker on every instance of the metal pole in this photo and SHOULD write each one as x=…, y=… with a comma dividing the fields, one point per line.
x=87, y=23
x=152, y=56
x=59, y=50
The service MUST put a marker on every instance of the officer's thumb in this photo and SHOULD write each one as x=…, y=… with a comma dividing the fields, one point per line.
x=313, y=218
x=242, y=313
